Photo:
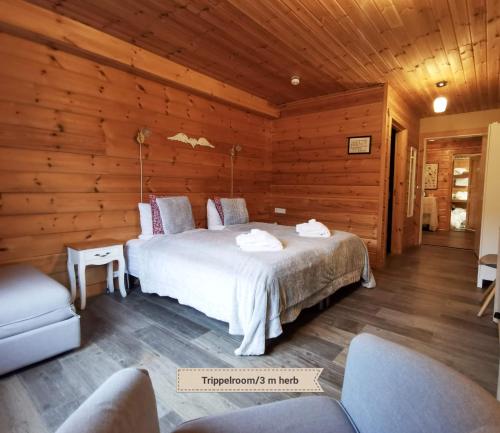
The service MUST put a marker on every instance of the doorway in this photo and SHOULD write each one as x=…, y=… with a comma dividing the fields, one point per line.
x=397, y=189
x=453, y=187
x=390, y=203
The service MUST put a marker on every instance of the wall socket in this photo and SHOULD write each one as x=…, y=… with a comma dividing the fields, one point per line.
x=279, y=210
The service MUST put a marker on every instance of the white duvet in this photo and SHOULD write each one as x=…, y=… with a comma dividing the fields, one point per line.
x=255, y=292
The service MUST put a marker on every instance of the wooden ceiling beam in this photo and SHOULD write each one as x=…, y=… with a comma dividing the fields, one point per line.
x=20, y=17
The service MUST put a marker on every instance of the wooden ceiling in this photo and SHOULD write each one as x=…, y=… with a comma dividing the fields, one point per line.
x=333, y=45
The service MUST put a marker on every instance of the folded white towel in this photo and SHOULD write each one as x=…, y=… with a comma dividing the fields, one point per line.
x=313, y=229
x=258, y=240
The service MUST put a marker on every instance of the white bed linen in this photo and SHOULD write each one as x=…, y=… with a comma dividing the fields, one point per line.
x=132, y=255
x=254, y=292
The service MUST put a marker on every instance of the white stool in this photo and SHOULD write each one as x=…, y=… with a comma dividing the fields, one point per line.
x=489, y=260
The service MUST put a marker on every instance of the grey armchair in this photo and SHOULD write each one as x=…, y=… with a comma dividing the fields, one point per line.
x=387, y=389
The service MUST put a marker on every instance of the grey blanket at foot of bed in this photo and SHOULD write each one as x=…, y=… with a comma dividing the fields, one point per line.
x=255, y=292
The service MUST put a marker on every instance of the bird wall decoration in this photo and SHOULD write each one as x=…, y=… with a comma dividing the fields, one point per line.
x=202, y=141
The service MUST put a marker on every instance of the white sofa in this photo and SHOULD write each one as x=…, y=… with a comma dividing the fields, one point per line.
x=37, y=320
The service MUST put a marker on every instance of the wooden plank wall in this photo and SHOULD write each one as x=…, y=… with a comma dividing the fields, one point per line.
x=313, y=175
x=20, y=18
x=69, y=162
x=441, y=152
x=407, y=119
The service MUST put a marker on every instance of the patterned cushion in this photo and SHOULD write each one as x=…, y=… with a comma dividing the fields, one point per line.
x=155, y=216
x=235, y=211
x=214, y=221
x=220, y=210
x=176, y=214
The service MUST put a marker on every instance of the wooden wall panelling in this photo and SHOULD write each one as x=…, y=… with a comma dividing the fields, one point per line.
x=69, y=162
x=75, y=81
x=314, y=177
x=42, y=25
x=441, y=152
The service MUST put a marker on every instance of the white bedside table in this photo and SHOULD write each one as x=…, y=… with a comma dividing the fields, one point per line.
x=101, y=252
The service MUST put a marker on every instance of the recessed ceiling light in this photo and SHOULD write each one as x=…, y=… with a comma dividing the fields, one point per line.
x=441, y=83
x=295, y=80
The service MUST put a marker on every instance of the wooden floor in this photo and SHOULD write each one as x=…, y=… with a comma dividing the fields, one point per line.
x=425, y=299
x=450, y=239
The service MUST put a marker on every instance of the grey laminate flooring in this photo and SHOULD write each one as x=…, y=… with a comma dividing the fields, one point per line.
x=426, y=299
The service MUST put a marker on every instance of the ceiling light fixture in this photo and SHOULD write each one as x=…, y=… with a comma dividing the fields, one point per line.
x=440, y=103
x=295, y=80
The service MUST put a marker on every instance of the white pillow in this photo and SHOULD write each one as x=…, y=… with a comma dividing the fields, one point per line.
x=146, y=220
x=213, y=218
x=176, y=214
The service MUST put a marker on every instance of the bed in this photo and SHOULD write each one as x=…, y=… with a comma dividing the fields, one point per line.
x=255, y=293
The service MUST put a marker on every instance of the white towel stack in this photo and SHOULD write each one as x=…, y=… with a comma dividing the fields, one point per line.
x=313, y=229
x=258, y=240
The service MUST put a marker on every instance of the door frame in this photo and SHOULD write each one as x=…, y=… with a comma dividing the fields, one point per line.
x=476, y=132
x=399, y=192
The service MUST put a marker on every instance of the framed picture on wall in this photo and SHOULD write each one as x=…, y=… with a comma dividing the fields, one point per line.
x=359, y=145
x=431, y=176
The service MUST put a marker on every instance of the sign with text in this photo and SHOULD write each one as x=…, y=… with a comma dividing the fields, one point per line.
x=248, y=380
x=359, y=145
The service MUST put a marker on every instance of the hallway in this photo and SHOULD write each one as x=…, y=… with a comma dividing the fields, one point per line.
x=450, y=239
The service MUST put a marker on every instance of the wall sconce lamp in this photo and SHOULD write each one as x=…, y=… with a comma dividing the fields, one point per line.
x=141, y=137
x=234, y=151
